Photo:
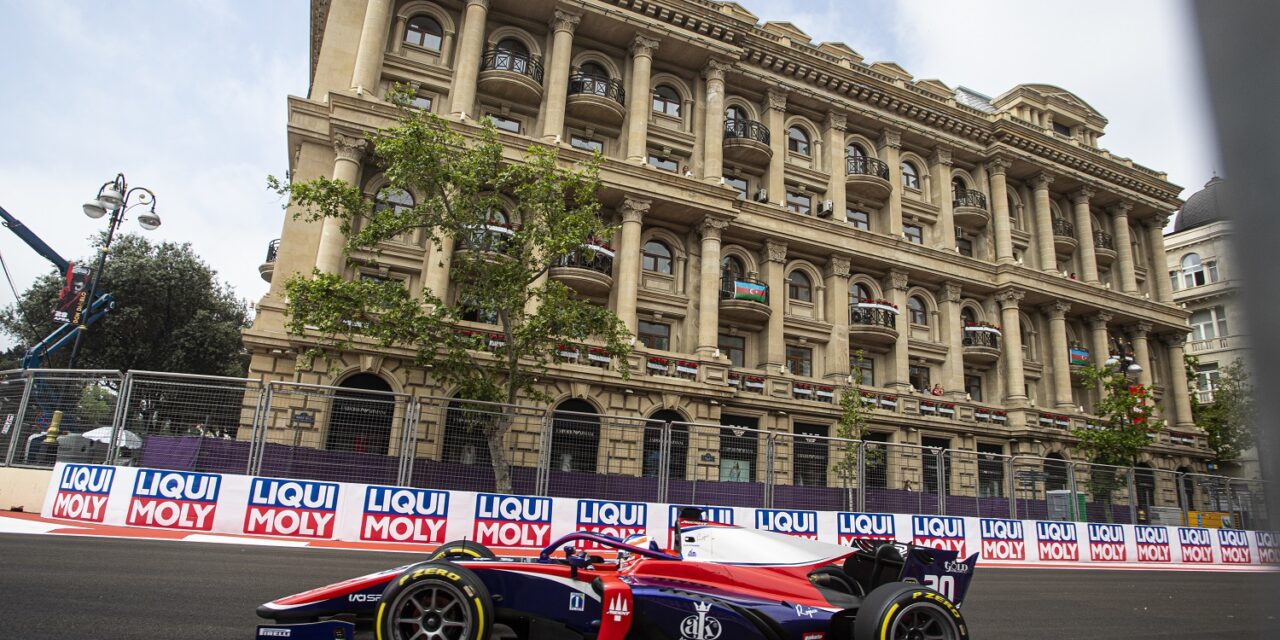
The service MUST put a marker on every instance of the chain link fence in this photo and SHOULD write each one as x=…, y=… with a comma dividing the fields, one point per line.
x=346, y=434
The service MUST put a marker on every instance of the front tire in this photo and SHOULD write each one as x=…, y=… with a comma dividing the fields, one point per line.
x=435, y=601
x=904, y=611
x=462, y=550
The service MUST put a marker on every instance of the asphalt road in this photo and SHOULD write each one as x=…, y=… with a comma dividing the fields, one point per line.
x=66, y=587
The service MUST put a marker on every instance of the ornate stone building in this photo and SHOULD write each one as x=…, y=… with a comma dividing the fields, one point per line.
x=784, y=206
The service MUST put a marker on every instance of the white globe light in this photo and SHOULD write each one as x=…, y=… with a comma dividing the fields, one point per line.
x=94, y=209
x=111, y=198
x=149, y=221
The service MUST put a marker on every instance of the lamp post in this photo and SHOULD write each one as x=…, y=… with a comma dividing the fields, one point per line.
x=115, y=198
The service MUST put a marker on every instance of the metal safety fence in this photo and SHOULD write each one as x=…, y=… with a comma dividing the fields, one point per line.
x=342, y=433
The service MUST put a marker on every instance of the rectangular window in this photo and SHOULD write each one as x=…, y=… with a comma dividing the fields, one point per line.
x=990, y=470
x=654, y=335
x=935, y=448
x=422, y=102
x=1062, y=129
x=586, y=144
x=1207, y=324
x=919, y=377
x=865, y=365
x=738, y=448
x=858, y=218
x=1206, y=382
x=913, y=233
x=1173, y=281
x=811, y=455
x=1212, y=267
x=799, y=202
x=973, y=386
x=510, y=125
x=800, y=360
x=877, y=460
x=666, y=164
x=734, y=348
x=964, y=246
x=738, y=184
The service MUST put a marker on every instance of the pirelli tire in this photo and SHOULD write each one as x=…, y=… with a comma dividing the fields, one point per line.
x=462, y=550
x=907, y=611
x=435, y=601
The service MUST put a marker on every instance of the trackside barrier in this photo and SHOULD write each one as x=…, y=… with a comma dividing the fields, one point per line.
x=377, y=515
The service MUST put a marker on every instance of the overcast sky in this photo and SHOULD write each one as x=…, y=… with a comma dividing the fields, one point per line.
x=187, y=97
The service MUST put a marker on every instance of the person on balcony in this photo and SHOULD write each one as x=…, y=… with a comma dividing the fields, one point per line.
x=936, y=390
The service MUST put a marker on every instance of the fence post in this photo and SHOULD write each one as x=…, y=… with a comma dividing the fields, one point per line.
x=543, y=477
x=1071, y=498
x=408, y=440
x=862, y=476
x=1133, y=496
x=664, y=458
x=1012, y=486
x=1183, y=503
x=942, y=481
x=117, y=419
x=770, y=450
x=20, y=418
x=259, y=437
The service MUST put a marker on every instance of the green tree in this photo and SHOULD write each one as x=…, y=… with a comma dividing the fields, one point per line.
x=171, y=314
x=1228, y=419
x=1124, y=428
x=503, y=255
x=851, y=426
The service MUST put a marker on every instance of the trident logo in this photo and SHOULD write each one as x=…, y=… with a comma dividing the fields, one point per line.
x=701, y=626
x=618, y=608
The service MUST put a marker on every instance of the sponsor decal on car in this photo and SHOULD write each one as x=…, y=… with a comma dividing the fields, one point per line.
x=619, y=607
x=292, y=508
x=611, y=518
x=398, y=514
x=700, y=626
x=174, y=500
x=577, y=601
x=718, y=515
x=1267, y=551
x=939, y=532
x=801, y=524
x=1106, y=543
x=1057, y=541
x=873, y=526
x=814, y=635
x=82, y=492
x=1234, y=544
x=1153, y=543
x=1196, y=545
x=512, y=521
x=1002, y=539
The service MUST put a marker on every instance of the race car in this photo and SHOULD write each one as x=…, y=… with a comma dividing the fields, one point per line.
x=720, y=581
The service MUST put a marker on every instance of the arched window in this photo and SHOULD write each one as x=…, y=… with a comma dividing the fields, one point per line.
x=465, y=427
x=1055, y=469
x=859, y=292
x=575, y=437
x=656, y=257
x=514, y=47
x=958, y=187
x=678, y=455
x=397, y=200
x=967, y=316
x=910, y=176
x=498, y=217
x=798, y=141
x=732, y=268
x=594, y=70
x=916, y=312
x=423, y=31
x=735, y=113
x=666, y=101
x=855, y=150
x=799, y=287
x=1192, y=270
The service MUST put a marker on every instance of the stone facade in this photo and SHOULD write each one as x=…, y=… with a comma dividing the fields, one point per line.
x=949, y=238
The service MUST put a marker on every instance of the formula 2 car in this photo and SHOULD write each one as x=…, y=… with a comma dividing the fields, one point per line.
x=721, y=581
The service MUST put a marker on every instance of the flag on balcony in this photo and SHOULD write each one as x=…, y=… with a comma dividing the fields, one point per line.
x=749, y=291
x=1079, y=357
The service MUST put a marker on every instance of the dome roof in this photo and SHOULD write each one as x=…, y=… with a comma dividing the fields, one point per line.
x=1201, y=208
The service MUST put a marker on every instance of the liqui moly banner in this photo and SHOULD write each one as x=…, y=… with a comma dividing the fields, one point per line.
x=383, y=516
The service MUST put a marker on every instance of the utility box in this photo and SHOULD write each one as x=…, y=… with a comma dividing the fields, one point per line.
x=1059, y=504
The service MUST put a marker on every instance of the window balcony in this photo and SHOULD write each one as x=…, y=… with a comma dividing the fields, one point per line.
x=981, y=344
x=746, y=141
x=744, y=300
x=588, y=271
x=867, y=177
x=268, y=266
x=491, y=238
x=1104, y=248
x=969, y=208
x=511, y=76
x=596, y=99
x=873, y=322
x=1064, y=236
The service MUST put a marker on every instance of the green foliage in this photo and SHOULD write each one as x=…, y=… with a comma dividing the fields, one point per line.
x=1229, y=419
x=852, y=424
x=1125, y=420
x=171, y=314
x=464, y=188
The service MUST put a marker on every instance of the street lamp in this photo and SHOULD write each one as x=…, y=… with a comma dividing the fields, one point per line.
x=1122, y=359
x=115, y=198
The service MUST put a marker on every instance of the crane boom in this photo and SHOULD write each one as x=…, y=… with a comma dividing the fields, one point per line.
x=28, y=236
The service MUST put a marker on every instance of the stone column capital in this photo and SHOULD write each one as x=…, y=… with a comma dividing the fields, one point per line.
x=837, y=120
x=1056, y=310
x=563, y=20
x=1140, y=329
x=891, y=138
x=715, y=69
x=643, y=46
x=1041, y=181
x=1100, y=319
x=1120, y=209
x=951, y=292
x=777, y=99
x=1010, y=298
x=1159, y=220
x=775, y=251
x=898, y=279
x=1174, y=340
x=997, y=165
x=633, y=209
x=350, y=146
x=838, y=267
x=1082, y=195
x=941, y=155
x=712, y=227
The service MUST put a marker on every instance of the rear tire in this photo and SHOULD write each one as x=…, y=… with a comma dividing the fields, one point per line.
x=462, y=550
x=435, y=601
x=904, y=611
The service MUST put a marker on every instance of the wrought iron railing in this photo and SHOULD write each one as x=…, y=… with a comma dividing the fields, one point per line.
x=586, y=84
x=866, y=166
x=747, y=129
x=1103, y=240
x=1064, y=228
x=523, y=64
x=273, y=249
x=981, y=339
x=872, y=316
x=599, y=262
x=969, y=198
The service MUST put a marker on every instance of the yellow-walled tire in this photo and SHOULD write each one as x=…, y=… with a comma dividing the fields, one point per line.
x=462, y=550
x=437, y=601
x=900, y=610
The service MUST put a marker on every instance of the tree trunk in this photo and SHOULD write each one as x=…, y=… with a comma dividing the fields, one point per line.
x=498, y=450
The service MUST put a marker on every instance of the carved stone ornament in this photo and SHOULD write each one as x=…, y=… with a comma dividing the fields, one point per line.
x=349, y=147
x=891, y=138
x=633, y=209
x=1120, y=209
x=1159, y=221
x=644, y=46
x=715, y=70
x=712, y=227
x=775, y=251
x=777, y=100
x=1174, y=340
x=1082, y=195
x=1141, y=329
x=942, y=156
x=1057, y=309
x=1100, y=319
x=951, y=292
x=898, y=279
x=839, y=267
x=1009, y=298
x=837, y=121
x=997, y=166
x=565, y=21
x=1042, y=180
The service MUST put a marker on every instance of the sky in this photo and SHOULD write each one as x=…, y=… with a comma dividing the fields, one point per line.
x=188, y=98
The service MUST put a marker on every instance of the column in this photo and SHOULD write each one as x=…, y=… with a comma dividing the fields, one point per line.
x=709, y=292
x=349, y=149
x=1124, y=247
x=1099, y=338
x=439, y=262
x=1058, y=356
x=1158, y=269
x=940, y=167
x=713, y=125
x=639, y=97
x=627, y=271
x=953, y=380
x=1044, y=224
x=901, y=348
x=1000, y=209
x=557, y=90
x=775, y=119
x=1142, y=354
x=1084, y=234
x=775, y=265
x=470, y=50
x=890, y=147
x=1011, y=329
x=836, y=126
x=1181, y=396
x=837, y=292
x=373, y=42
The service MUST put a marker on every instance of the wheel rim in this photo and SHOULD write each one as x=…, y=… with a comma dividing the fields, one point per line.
x=924, y=621
x=432, y=611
